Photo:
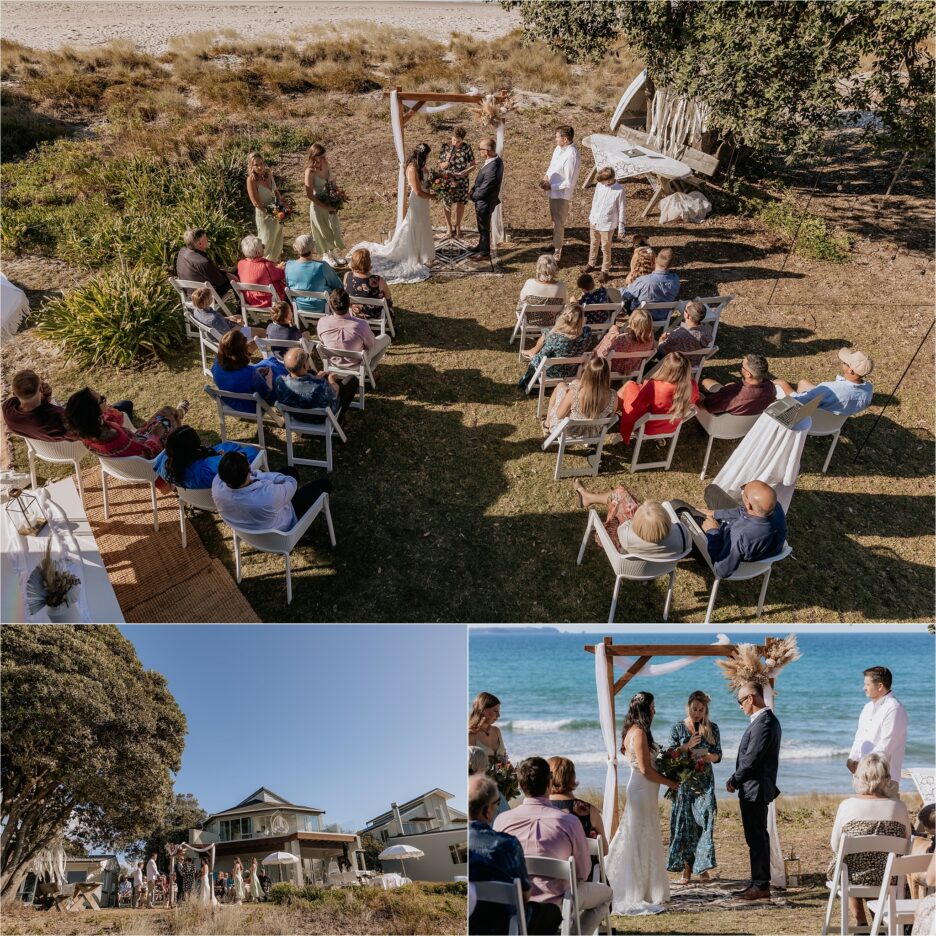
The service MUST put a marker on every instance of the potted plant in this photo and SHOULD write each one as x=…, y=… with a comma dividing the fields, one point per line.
x=52, y=586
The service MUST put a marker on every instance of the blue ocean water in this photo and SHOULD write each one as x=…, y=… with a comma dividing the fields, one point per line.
x=546, y=684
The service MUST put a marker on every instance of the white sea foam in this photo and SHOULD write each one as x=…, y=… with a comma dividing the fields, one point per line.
x=538, y=724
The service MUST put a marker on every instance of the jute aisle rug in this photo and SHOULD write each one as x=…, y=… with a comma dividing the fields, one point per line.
x=154, y=578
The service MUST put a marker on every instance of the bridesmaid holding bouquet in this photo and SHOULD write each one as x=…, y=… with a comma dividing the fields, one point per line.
x=264, y=196
x=323, y=212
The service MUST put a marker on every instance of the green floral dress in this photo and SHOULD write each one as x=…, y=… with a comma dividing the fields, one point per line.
x=692, y=822
x=458, y=159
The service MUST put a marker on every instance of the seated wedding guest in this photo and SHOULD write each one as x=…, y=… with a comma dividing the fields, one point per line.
x=220, y=887
x=562, y=786
x=266, y=882
x=872, y=811
x=256, y=501
x=671, y=390
x=233, y=372
x=756, y=530
x=193, y=262
x=543, y=289
x=186, y=463
x=282, y=327
x=103, y=429
x=255, y=268
x=922, y=843
x=636, y=336
x=588, y=396
x=546, y=831
x=305, y=389
x=30, y=412
x=592, y=296
x=847, y=395
x=359, y=282
x=748, y=397
x=643, y=261
x=341, y=331
x=644, y=529
x=924, y=918
x=568, y=337
x=309, y=274
x=494, y=856
x=205, y=314
x=662, y=285
x=693, y=334
x=477, y=760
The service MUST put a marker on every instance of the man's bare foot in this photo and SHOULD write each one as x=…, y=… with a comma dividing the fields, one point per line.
x=581, y=492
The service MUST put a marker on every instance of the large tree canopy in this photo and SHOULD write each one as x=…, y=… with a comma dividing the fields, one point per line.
x=776, y=75
x=89, y=739
x=182, y=813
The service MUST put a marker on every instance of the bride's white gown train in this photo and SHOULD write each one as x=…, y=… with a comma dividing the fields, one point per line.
x=406, y=258
x=636, y=864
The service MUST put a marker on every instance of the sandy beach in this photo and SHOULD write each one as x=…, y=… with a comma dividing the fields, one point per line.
x=152, y=24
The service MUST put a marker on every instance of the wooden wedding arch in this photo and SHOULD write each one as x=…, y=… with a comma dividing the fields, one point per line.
x=644, y=653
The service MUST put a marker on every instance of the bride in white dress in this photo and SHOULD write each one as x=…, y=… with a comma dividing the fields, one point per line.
x=406, y=258
x=204, y=887
x=636, y=864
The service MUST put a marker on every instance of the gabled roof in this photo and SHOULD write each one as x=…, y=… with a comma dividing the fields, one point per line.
x=388, y=815
x=260, y=801
x=263, y=795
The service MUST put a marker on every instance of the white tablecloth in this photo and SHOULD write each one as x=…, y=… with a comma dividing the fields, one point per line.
x=390, y=881
x=13, y=306
x=610, y=151
x=72, y=541
x=770, y=453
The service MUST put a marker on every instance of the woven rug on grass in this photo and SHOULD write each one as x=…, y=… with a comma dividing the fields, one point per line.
x=153, y=577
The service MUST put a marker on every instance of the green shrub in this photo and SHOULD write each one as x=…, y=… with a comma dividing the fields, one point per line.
x=122, y=316
x=813, y=238
x=283, y=893
x=457, y=888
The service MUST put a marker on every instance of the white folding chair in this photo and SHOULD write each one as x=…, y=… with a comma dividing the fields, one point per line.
x=134, y=469
x=827, y=424
x=745, y=571
x=564, y=871
x=722, y=426
x=696, y=360
x=524, y=327
x=268, y=346
x=276, y=541
x=261, y=411
x=185, y=288
x=382, y=324
x=56, y=453
x=335, y=361
x=542, y=380
x=841, y=889
x=303, y=422
x=201, y=499
x=714, y=306
x=673, y=310
x=207, y=341
x=582, y=433
x=249, y=311
x=632, y=567
x=613, y=309
x=890, y=909
x=672, y=435
x=303, y=317
x=636, y=372
x=509, y=895
x=599, y=875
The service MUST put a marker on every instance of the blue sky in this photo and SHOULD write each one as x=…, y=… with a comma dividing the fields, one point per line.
x=347, y=718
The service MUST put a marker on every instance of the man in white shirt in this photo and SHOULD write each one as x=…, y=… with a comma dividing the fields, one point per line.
x=560, y=181
x=607, y=213
x=882, y=727
x=152, y=873
x=137, y=897
x=261, y=500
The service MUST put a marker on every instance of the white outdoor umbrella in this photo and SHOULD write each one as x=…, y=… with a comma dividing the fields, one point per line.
x=399, y=852
x=279, y=859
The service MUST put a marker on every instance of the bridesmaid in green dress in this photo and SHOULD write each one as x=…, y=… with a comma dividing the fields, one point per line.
x=322, y=219
x=262, y=192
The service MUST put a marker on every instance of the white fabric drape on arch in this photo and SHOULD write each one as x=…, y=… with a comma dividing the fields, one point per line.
x=777, y=874
x=396, y=125
x=608, y=737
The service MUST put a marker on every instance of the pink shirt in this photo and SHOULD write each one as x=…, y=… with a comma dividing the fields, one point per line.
x=345, y=333
x=548, y=832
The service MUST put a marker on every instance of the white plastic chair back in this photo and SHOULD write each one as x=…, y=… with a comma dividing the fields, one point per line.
x=56, y=453
x=310, y=422
x=207, y=341
x=335, y=361
x=564, y=871
x=132, y=468
x=524, y=328
x=268, y=346
x=888, y=907
x=277, y=541
x=674, y=311
x=584, y=433
x=250, y=312
x=613, y=309
x=303, y=317
x=541, y=380
x=383, y=323
x=672, y=435
x=825, y=423
x=722, y=426
x=509, y=895
x=635, y=373
x=714, y=306
x=185, y=288
x=599, y=875
x=262, y=410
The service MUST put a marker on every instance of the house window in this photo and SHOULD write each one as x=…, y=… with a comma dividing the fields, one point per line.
x=310, y=823
x=234, y=829
x=459, y=853
x=383, y=835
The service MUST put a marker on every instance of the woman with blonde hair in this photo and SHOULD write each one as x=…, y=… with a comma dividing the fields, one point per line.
x=637, y=337
x=692, y=819
x=543, y=289
x=588, y=396
x=568, y=338
x=669, y=391
x=643, y=261
x=562, y=786
x=482, y=732
x=263, y=194
x=323, y=219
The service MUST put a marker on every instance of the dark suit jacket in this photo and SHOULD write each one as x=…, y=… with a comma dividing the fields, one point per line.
x=487, y=183
x=758, y=758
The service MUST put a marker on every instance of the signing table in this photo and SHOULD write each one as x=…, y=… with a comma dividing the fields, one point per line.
x=72, y=542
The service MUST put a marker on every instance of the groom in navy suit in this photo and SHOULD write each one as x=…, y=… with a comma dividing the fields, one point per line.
x=755, y=781
x=485, y=193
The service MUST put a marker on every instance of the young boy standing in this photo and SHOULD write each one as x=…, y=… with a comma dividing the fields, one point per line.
x=607, y=213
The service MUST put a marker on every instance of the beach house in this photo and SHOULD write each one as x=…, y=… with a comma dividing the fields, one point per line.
x=264, y=823
x=433, y=826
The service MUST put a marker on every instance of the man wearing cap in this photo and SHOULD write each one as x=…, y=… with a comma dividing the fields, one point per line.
x=847, y=395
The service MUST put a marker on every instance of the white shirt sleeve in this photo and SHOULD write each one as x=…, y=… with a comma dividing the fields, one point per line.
x=622, y=204
x=855, y=753
x=562, y=176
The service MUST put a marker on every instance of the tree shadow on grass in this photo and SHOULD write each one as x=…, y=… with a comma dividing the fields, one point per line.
x=452, y=333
